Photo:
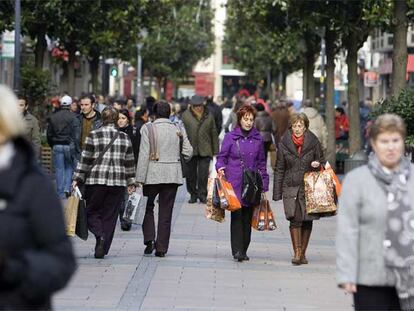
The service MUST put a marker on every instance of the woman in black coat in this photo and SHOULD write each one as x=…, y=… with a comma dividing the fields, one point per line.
x=299, y=152
x=36, y=257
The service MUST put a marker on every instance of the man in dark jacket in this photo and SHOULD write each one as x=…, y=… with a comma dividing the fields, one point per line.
x=32, y=125
x=90, y=119
x=202, y=133
x=63, y=135
x=215, y=110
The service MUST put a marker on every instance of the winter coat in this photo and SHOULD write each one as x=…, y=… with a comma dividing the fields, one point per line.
x=251, y=149
x=264, y=124
x=341, y=127
x=317, y=126
x=133, y=137
x=215, y=110
x=117, y=166
x=36, y=256
x=167, y=169
x=32, y=133
x=362, y=218
x=291, y=169
x=202, y=134
x=97, y=123
x=63, y=129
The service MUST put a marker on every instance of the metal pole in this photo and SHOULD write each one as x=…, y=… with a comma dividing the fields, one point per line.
x=17, y=30
x=322, y=80
x=139, y=74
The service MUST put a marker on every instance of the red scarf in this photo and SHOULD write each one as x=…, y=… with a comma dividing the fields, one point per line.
x=298, y=141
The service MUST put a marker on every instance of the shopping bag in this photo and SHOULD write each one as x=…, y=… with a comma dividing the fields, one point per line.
x=213, y=212
x=131, y=205
x=320, y=193
x=337, y=183
x=81, y=221
x=71, y=214
x=225, y=190
x=263, y=218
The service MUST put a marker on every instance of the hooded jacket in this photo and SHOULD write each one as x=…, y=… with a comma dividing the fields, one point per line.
x=252, y=152
x=317, y=126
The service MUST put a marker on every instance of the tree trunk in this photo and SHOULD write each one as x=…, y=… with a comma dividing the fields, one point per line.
x=71, y=74
x=400, y=54
x=164, y=86
x=330, y=89
x=305, y=82
x=310, y=84
x=94, y=67
x=353, y=97
x=159, y=82
x=40, y=49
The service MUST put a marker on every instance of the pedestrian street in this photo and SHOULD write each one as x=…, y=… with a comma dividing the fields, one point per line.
x=199, y=273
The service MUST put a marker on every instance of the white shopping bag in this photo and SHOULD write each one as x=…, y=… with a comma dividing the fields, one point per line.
x=131, y=205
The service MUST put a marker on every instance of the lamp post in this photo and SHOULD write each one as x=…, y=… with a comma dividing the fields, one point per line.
x=17, y=30
x=321, y=32
x=142, y=35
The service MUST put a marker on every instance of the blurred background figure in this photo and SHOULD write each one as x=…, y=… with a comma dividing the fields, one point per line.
x=63, y=134
x=263, y=123
x=316, y=123
x=36, y=257
x=215, y=110
x=341, y=138
x=32, y=133
x=375, y=241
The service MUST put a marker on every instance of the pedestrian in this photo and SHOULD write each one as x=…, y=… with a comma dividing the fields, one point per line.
x=374, y=241
x=141, y=117
x=299, y=152
x=124, y=125
x=202, y=133
x=215, y=110
x=160, y=174
x=63, y=133
x=106, y=168
x=244, y=141
x=36, y=256
x=32, y=133
x=231, y=122
x=341, y=138
x=75, y=106
x=90, y=119
x=316, y=123
x=100, y=104
x=264, y=124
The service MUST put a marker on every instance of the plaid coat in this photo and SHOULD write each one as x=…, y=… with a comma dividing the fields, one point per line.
x=117, y=167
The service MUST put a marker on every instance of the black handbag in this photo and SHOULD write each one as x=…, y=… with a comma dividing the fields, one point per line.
x=252, y=184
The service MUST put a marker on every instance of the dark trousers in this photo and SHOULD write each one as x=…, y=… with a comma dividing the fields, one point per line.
x=102, y=210
x=197, y=176
x=378, y=298
x=266, y=148
x=167, y=193
x=241, y=229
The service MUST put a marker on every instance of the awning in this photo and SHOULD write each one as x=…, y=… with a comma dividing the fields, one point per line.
x=231, y=72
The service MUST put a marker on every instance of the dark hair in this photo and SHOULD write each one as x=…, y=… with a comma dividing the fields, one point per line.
x=109, y=116
x=23, y=97
x=245, y=109
x=259, y=107
x=140, y=111
x=125, y=112
x=88, y=96
x=162, y=109
x=299, y=117
x=340, y=110
x=387, y=123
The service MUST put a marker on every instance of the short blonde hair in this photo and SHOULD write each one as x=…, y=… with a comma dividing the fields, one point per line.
x=387, y=122
x=11, y=121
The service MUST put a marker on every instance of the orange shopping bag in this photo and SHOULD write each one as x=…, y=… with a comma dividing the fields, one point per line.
x=337, y=183
x=226, y=191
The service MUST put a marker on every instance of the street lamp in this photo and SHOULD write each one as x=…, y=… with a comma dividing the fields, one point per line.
x=321, y=32
x=142, y=35
x=17, y=30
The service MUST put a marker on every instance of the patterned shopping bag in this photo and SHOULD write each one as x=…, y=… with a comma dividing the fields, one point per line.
x=320, y=193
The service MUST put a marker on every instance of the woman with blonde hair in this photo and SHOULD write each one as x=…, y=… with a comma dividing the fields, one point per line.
x=299, y=152
x=375, y=233
x=36, y=257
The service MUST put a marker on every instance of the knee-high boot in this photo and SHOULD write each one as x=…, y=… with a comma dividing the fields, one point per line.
x=306, y=233
x=295, y=235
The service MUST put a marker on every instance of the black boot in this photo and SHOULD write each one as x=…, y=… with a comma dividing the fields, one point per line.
x=150, y=247
x=100, y=248
x=238, y=256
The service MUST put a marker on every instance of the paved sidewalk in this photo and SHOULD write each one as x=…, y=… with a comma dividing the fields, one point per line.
x=199, y=273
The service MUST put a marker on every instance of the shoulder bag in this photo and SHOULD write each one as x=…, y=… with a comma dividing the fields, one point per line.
x=252, y=185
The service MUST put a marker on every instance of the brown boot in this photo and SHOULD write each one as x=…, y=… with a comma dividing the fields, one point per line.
x=306, y=233
x=295, y=235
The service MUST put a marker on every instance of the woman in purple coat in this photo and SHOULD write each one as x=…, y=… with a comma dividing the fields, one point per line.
x=229, y=165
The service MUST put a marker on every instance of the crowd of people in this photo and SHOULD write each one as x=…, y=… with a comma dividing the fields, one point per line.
x=108, y=149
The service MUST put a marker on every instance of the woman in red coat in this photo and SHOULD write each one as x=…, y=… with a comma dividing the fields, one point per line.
x=341, y=124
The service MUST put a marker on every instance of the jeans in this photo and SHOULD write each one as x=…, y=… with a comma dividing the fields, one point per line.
x=63, y=163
